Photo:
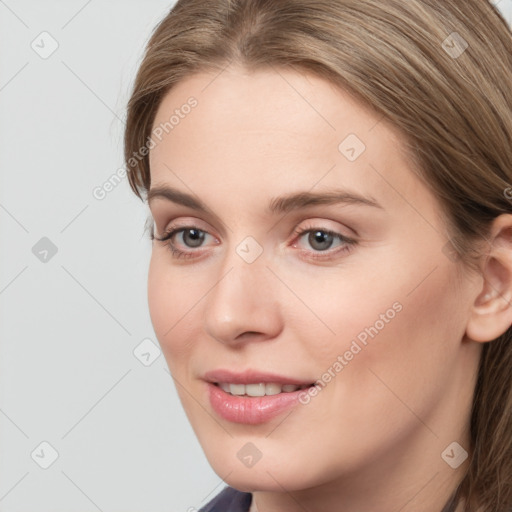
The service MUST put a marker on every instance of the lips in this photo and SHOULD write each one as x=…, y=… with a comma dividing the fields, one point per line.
x=252, y=397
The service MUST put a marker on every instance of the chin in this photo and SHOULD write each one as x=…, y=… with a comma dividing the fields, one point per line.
x=273, y=481
x=271, y=474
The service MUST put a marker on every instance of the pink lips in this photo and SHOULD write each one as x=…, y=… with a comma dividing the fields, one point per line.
x=245, y=409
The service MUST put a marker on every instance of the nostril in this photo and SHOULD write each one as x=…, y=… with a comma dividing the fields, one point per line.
x=248, y=333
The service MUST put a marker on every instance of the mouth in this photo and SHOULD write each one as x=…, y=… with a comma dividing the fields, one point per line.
x=252, y=396
x=253, y=403
x=259, y=389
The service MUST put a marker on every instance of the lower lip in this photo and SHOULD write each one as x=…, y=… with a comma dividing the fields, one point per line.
x=247, y=409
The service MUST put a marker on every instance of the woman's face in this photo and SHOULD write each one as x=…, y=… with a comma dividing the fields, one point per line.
x=280, y=284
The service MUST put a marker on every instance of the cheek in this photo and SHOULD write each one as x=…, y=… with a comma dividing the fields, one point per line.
x=407, y=359
x=397, y=322
x=396, y=300
x=341, y=308
x=171, y=308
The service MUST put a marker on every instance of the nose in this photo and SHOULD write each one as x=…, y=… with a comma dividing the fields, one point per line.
x=243, y=304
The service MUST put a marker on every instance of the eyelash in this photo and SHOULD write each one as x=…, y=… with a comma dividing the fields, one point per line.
x=349, y=243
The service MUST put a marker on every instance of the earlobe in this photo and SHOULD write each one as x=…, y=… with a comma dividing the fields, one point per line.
x=491, y=314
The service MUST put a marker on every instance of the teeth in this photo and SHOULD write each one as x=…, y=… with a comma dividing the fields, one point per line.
x=259, y=389
x=255, y=389
x=272, y=389
x=290, y=387
x=237, y=389
x=225, y=387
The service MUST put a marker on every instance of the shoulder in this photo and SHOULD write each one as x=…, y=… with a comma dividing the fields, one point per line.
x=229, y=500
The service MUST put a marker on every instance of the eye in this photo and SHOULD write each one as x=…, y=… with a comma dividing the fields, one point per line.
x=191, y=237
x=321, y=240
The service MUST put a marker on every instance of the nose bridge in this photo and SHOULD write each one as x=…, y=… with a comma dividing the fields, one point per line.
x=243, y=299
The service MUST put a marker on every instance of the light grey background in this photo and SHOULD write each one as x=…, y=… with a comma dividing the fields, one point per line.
x=70, y=321
x=69, y=325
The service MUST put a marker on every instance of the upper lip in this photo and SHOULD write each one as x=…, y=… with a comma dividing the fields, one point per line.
x=250, y=376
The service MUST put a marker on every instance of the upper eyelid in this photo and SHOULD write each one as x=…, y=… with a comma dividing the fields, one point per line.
x=319, y=223
x=184, y=225
x=297, y=232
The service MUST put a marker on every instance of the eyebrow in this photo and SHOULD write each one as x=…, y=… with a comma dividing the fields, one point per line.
x=284, y=204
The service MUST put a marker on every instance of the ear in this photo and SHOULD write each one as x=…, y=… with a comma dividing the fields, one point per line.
x=491, y=314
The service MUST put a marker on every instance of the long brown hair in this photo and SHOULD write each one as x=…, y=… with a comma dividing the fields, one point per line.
x=439, y=71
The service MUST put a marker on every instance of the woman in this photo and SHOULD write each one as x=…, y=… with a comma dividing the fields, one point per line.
x=331, y=272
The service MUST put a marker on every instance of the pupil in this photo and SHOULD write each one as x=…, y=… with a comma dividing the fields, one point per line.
x=320, y=237
x=197, y=237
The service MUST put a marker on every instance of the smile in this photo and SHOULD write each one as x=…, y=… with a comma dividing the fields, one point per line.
x=259, y=389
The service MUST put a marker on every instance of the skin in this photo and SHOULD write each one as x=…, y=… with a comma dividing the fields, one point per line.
x=372, y=438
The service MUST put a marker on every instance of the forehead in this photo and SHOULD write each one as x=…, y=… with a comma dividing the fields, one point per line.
x=274, y=130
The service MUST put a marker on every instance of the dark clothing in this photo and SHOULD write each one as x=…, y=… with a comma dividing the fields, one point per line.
x=231, y=500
